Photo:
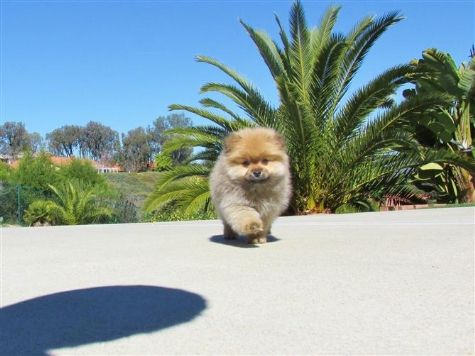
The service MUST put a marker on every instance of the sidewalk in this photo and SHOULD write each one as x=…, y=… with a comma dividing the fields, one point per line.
x=376, y=283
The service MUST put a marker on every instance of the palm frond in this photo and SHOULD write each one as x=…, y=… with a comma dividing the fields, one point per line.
x=166, y=184
x=260, y=111
x=269, y=51
x=386, y=130
x=249, y=98
x=286, y=43
x=197, y=197
x=321, y=34
x=217, y=119
x=405, y=112
x=299, y=52
x=369, y=98
x=188, y=195
x=324, y=78
x=361, y=41
x=211, y=103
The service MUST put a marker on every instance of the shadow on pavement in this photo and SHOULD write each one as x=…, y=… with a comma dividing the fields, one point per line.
x=240, y=242
x=92, y=315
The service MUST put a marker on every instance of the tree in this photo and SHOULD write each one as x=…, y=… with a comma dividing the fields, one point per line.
x=98, y=141
x=75, y=204
x=136, y=151
x=65, y=140
x=159, y=136
x=14, y=138
x=345, y=148
x=452, y=125
x=36, y=142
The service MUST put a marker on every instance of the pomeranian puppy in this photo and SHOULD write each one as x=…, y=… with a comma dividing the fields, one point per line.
x=250, y=183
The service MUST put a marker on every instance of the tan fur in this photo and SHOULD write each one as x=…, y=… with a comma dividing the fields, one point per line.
x=250, y=183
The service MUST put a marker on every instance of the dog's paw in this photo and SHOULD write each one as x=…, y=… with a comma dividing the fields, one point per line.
x=256, y=240
x=256, y=233
x=262, y=240
x=253, y=228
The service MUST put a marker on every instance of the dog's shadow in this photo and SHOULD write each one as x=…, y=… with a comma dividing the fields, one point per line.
x=239, y=242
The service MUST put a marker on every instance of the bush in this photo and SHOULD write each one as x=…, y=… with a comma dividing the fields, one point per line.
x=36, y=172
x=5, y=172
x=358, y=207
x=170, y=213
x=124, y=211
x=8, y=202
x=42, y=212
x=15, y=198
x=74, y=204
x=84, y=171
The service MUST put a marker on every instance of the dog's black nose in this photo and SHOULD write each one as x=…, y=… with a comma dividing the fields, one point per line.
x=256, y=174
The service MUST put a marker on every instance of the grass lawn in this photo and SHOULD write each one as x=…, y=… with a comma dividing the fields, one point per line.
x=136, y=187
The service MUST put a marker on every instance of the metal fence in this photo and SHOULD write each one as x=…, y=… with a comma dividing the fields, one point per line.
x=15, y=199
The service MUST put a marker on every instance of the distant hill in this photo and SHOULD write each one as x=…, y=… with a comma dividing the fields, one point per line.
x=135, y=187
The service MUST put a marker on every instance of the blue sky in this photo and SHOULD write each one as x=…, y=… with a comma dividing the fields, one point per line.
x=123, y=62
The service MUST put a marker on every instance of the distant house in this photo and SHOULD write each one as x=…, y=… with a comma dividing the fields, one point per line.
x=101, y=166
x=6, y=159
x=104, y=167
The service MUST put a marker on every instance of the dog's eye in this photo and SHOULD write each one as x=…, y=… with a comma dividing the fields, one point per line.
x=246, y=163
x=265, y=161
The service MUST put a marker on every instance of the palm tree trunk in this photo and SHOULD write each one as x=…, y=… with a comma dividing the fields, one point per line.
x=466, y=182
x=469, y=194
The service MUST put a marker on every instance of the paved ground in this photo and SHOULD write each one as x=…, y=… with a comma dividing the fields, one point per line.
x=375, y=283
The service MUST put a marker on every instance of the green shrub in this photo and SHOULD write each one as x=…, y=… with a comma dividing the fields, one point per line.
x=42, y=212
x=5, y=172
x=124, y=211
x=84, y=171
x=74, y=203
x=358, y=207
x=170, y=213
x=36, y=172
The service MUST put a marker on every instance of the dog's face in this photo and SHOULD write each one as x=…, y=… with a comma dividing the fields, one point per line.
x=255, y=156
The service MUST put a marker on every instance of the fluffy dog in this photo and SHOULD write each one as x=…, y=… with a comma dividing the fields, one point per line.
x=250, y=183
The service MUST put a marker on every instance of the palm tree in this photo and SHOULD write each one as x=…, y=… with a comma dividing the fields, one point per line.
x=345, y=148
x=75, y=204
x=184, y=188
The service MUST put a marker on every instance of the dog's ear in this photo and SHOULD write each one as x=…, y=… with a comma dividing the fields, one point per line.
x=230, y=141
x=280, y=140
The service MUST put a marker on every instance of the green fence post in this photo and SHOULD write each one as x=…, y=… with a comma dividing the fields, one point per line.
x=18, y=190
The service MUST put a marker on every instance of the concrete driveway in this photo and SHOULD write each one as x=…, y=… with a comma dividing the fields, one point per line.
x=374, y=283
